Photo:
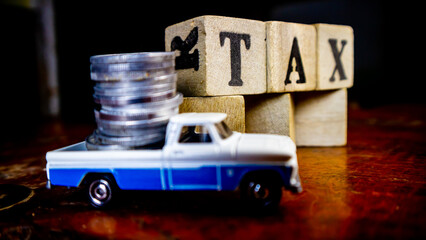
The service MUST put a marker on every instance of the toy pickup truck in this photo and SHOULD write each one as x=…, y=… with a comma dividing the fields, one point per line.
x=199, y=153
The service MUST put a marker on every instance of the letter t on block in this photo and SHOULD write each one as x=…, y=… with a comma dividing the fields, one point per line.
x=235, y=39
x=335, y=56
x=231, y=55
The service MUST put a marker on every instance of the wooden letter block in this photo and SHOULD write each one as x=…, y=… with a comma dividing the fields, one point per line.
x=233, y=106
x=219, y=55
x=291, y=57
x=270, y=113
x=321, y=118
x=335, y=56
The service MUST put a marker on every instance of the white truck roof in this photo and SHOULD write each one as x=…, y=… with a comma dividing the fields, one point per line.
x=198, y=118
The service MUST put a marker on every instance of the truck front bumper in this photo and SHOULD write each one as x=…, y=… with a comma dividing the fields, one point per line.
x=295, y=184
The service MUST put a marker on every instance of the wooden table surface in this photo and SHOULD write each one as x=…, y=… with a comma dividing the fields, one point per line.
x=374, y=188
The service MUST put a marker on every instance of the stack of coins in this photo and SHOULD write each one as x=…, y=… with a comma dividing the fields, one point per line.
x=135, y=95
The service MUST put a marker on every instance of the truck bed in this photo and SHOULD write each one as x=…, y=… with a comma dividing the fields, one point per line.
x=81, y=146
x=69, y=165
x=78, y=152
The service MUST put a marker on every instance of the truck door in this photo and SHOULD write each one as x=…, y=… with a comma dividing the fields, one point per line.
x=193, y=160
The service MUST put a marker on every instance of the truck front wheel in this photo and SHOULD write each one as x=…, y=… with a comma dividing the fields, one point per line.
x=100, y=192
x=261, y=192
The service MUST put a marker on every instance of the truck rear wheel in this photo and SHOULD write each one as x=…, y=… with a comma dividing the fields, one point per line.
x=100, y=192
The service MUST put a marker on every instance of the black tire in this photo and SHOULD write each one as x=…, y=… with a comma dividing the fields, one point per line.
x=261, y=192
x=100, y=191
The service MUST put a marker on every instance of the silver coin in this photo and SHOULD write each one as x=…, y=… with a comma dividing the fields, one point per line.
x=130, y=75
x=126, y=100
x=135, y=91
x=174, y=101
x=134, y=115
x=133, y=57
x=143, y=108
x=132, y=128
x=126, y=132
x=161, y=109
x=131, y=141
x=135, y=124
x=132, y=67
x=92, y=143
x=136, y=94
x=140, y=83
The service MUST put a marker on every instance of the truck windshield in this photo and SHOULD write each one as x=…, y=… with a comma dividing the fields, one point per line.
x=223, y=130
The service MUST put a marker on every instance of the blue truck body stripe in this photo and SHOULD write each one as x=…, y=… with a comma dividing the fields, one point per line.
x=190, y=187
x=206, y=176
x=232, y=175
x=224, y=177
x=71, y=177
x=135, y=179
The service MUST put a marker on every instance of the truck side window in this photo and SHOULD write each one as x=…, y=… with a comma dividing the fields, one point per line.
x=194, y=134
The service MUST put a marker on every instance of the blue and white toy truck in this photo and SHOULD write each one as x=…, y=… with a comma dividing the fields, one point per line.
x=199, y=153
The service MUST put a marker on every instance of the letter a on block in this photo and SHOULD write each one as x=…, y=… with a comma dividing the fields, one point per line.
x=231, y=55
x=290, y=56
x=335, y=56
x=295, y=55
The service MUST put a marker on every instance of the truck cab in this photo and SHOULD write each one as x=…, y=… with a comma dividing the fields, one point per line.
x=196, y=146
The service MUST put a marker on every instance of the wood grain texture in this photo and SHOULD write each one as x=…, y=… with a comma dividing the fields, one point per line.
x=233, y=106
x=321, y=118
x=335, y=56
x=270, y=113
x=291, y=57
x=230, y=54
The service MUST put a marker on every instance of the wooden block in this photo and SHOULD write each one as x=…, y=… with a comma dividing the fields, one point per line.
x=291, y=57
x=321, y=118
x=335, y=56
x=233, y=106
x=219, y=55
x=270, y=113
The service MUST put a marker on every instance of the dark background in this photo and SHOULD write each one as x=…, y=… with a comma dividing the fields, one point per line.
x=385, y=47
